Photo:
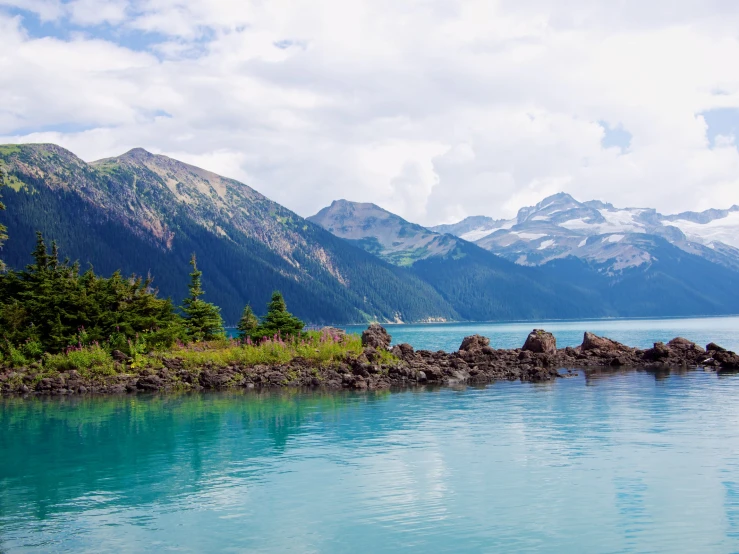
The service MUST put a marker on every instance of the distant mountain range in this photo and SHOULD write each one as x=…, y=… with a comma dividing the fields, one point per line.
x=479, y=284
x=146, y=213
x=614, y=239
x=607, y=261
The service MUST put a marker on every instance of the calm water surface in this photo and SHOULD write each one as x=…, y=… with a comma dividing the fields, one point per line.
x=604, y=462
x=641, y=333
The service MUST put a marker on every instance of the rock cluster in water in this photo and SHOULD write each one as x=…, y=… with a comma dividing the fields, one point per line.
x=475, y=362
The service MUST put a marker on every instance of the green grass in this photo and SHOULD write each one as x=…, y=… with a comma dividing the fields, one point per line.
x=90, y=361
x=8, y=149
x=315, y=346
x=320, y=348
x=13, y=182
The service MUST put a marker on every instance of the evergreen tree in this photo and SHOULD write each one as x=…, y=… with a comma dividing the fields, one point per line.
x=202, y=320
x=3, y=229
x=248, y=323
x=279, y=320
x=51, y=303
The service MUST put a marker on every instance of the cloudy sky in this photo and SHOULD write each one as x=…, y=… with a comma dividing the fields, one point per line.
x=432, y=109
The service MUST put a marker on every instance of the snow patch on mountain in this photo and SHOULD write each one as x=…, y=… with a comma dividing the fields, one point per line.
x=529, y=236
x=546, y=244
x=725, y=230
x=567, y=224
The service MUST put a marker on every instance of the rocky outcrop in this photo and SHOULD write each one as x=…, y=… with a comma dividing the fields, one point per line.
x=376, y=336
x=594, y=342
x=475, y=362
x=540, y=342
x=720, y=358
x=678, y=351
x=474, y=343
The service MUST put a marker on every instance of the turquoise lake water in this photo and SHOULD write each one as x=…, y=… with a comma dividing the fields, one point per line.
x=641, y=333
x=608, y=461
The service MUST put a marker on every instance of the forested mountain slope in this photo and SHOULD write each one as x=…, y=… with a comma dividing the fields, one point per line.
x=146, y=213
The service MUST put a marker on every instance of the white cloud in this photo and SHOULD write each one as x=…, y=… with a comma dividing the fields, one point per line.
x=432, y=109
x=94, y=12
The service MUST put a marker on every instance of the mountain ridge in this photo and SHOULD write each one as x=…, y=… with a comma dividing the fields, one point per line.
x=146, y=213
x=143, y=212
x=474, y=279
x=560, y=226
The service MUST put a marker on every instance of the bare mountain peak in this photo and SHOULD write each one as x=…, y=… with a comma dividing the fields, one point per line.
x=382, y=232
x=137, y=152
x=350, y=204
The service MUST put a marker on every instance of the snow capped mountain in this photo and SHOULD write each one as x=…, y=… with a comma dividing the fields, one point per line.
x=713, y=228
x=614, y=238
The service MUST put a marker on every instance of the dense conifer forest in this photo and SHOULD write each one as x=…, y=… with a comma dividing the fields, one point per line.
x=51, y=307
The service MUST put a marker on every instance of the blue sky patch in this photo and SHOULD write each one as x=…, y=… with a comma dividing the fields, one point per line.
x=721, y=121
x=615, y=136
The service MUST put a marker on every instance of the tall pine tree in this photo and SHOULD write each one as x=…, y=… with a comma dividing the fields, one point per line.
x=248, y=323
x=3, y=229
x=51, y=303
x=202, y=320
x=278, y=320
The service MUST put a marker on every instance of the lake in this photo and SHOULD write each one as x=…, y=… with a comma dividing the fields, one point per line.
x=641, y=333
x=608, y=461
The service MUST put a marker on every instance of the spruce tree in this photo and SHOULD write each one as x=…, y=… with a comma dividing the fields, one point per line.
x=51, y=303
x=3, y=229
x=202, y=320
x=278, y=320
x=248, y=323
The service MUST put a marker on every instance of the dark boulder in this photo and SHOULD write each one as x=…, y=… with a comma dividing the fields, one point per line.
x=540, y=342
x=687, y=351
x=660, y=351
x=594, y=342
x=376, y=336
x=474, y=343
x=372, y=354
x=148, y=382
x=403, y=351
x=684, y=345
x=727, y=359
x=213, y=379
x=713, y=347
x=537, y=374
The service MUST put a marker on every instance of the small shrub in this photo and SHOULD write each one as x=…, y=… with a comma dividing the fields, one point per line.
x=88, y=360
x=32, y=349
x=16, y=357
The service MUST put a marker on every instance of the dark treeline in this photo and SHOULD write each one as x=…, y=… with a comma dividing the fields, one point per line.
x=237, y=271
x=52, y=305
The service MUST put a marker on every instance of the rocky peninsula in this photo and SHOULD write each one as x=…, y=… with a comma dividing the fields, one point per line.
x=378, y=366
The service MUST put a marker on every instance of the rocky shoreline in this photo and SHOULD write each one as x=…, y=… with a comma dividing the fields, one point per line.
x=475, y=362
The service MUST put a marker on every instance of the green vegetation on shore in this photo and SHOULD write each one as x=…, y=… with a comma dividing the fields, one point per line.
x=3, y=229
x=56, y=318
x=90, y=361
